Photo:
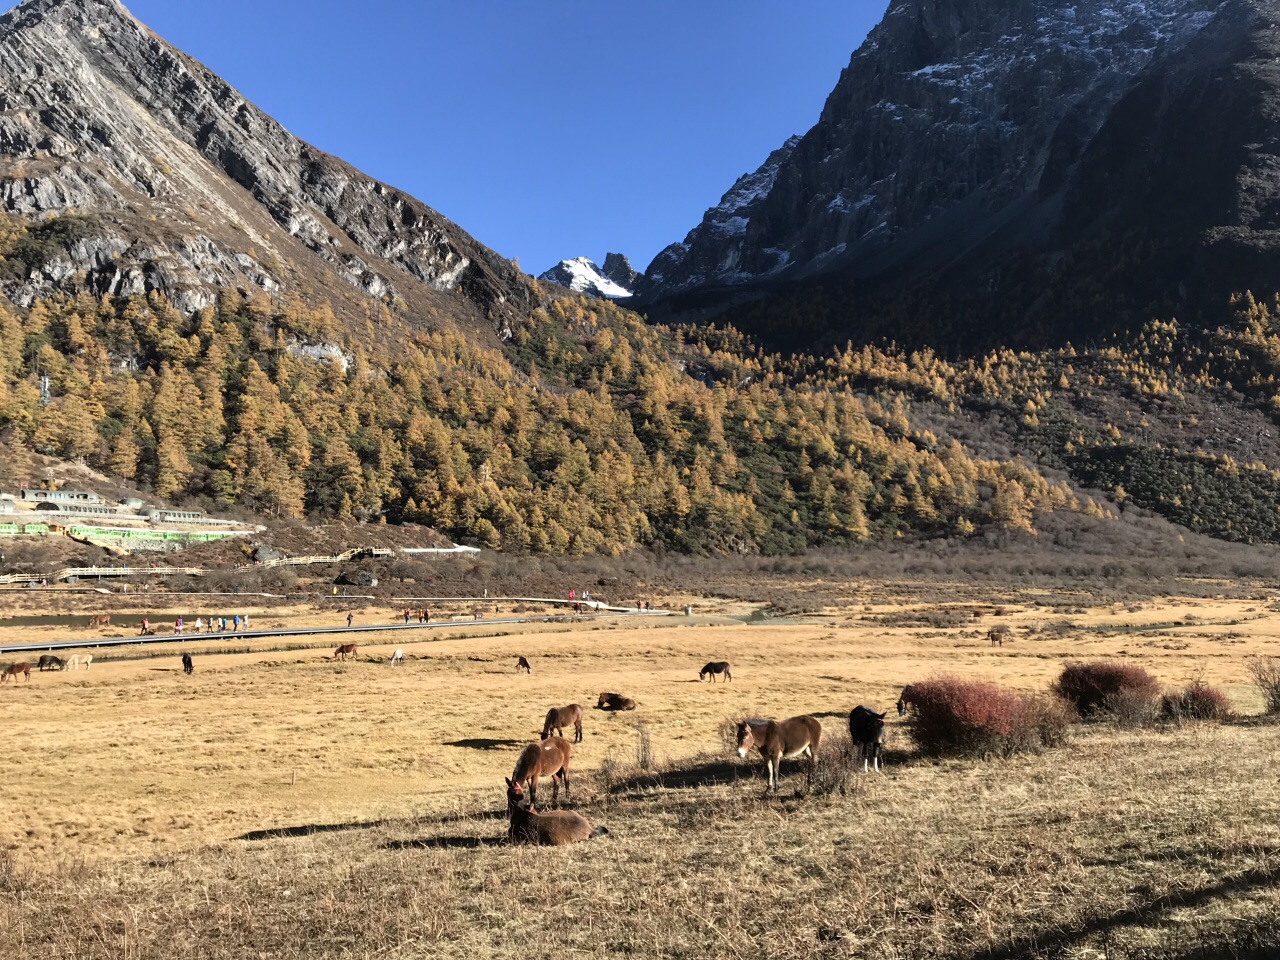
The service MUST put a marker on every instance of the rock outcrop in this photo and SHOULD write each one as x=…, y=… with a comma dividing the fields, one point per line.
x=183, y=186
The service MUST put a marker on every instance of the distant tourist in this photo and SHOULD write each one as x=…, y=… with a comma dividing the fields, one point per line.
x=349, y=619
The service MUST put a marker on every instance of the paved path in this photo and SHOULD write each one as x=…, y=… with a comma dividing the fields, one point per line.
x=379, y=628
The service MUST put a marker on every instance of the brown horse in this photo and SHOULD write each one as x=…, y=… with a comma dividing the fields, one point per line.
x=14, y=669
x=553, y=829
x=715, y=669
x=560, y=717
x=615, y=701
x=100, y=620
x=342, y=651
x=550, y=758
x=776, y=742
x=523, y=664
x=906, y=697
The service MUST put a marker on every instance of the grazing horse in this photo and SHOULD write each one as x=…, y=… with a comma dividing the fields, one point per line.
x=187, y=665
x=342, y=651
x=49, y=662
x=907, y=696
x=553, y=829
x=715, y=669
x=100, y=620
x=776, y=742
x=523, y=664
x=550, y=758
x=560, y=717
x=866, y=730
x=14, y=669
x=615, y=701
x=397, y=658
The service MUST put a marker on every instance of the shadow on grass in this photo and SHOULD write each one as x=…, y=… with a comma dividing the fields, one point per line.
x=1253, y=720
x=485, y=743
x=307, y=829
x=707, y=773
x=445, y=843
x=310, y=829
x=1154, y=913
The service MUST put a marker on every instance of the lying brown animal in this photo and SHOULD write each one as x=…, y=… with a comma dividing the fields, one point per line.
x=615, y=701
x=553, y=829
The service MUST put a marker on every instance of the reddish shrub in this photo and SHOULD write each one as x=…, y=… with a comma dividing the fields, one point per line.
x=1094, y=688
x=1197, y=701
x=952, y=717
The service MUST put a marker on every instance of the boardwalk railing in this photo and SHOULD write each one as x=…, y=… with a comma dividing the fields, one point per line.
x=330, y=558
x=71, y=573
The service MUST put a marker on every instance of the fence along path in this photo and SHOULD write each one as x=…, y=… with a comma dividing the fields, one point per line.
x=69, y=573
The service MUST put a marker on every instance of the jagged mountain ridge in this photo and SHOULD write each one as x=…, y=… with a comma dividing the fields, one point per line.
x=193, y=188
x=989, y=158
x=616, y=280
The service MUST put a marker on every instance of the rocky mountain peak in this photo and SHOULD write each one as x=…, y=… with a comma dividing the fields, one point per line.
x=954, y=122
x=618, y=268
x=184, y=186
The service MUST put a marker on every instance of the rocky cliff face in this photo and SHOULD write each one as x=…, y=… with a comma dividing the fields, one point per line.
x=192, y=188
x=713, y=252
x=967, y=135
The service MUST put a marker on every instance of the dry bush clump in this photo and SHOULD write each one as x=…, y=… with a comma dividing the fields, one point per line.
x=1265, y=672
x=1131, y=708
x=1103, y=687
x=835, y=766
x=1196, y=701
x=952, y=717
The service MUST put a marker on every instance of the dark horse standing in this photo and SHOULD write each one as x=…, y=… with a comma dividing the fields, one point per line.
x=187, y=665
x=866, y=730
x=714, y=669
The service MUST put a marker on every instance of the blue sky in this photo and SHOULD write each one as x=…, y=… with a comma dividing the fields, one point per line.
x=545, y=130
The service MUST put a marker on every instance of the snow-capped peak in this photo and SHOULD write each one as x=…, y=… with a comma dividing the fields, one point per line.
x=582, y=275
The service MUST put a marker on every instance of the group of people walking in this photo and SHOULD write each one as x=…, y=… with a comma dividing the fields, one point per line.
x=215, y=624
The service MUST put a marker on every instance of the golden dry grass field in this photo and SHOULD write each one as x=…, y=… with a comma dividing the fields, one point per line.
x=279, y=804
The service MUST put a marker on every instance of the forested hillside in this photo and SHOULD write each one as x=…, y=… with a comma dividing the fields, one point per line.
x=588, y=431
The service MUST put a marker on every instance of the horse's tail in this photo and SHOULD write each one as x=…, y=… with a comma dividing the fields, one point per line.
x=599, y=832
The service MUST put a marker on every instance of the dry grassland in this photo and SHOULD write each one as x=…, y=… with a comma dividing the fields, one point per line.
x=282, y=805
